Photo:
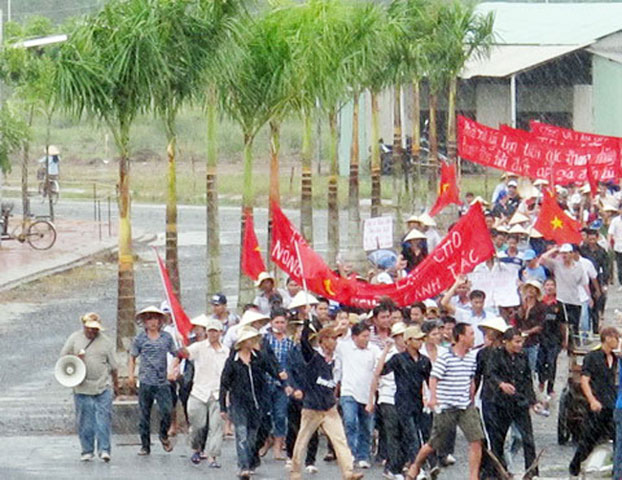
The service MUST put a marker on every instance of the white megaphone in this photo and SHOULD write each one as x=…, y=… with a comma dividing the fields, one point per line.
x=70, y=371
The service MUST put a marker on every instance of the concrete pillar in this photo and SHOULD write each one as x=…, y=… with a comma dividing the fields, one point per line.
x=582, y=113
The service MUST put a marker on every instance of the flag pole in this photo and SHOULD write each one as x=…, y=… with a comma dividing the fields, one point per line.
x=304, y=281
x=166, y=294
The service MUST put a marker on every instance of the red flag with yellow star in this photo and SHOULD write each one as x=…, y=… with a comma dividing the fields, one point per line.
x=252, y=263
x=448, y=192
x=554, y=224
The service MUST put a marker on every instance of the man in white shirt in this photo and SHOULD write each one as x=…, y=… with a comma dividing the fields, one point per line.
x=590, y=276
x=209, y=357
x=614, y=235
x=355, y=364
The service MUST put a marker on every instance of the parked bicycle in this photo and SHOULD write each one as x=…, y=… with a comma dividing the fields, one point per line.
x=39, y=233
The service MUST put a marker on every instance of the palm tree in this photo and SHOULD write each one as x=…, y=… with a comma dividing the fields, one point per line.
x=367, y=20
x=190, y=33
x=412, y=23
x=110, y=69
x=465, y=33
x=216, y=14
x=253, y=90
x=30, y=73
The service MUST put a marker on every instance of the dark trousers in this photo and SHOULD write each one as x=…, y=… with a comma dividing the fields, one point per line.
x=394, y=441
x=416, y=429
x=597, y=311
x=246, y=423
x=572, y=314
x=147, y=394
x=619, y=266
x=547, y=365
x=502, y=416
x=294, y=412
x=598, y=425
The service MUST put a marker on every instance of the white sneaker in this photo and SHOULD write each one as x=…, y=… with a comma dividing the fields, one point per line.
x=450, y=459
x=364, y=464
x=86, y=457
x=311, y=469
x=105, y=456
x=288, y=464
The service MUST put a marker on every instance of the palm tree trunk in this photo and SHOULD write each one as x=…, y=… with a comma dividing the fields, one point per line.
x=213, y=227
x=25, y=160
x=397, y=160
x=354, y=215
x=306, y=189
x=416, y=139
x=274, y=196
x=333, y=194
x=48, y=134
x=451, y=122
x=433, y=159
x=126, y=299
x=245, y=285
x=375, y=157
x=172, y=259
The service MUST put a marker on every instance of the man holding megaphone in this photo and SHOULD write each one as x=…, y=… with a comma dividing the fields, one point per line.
x=90, y=377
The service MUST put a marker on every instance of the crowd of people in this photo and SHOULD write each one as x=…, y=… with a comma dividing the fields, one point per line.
x=393, y=384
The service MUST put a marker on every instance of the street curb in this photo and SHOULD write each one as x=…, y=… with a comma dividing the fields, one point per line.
x=62, y=267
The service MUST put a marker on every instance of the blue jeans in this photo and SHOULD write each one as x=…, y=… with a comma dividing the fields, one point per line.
x=93, y=420
x=358, y=425
x=246, y=425
x=584, y=320
x=617, y=454
x=532, y=357
x=278, y=410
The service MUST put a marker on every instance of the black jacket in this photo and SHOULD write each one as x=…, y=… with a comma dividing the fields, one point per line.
x=600, y=259
x=246, y=384
x=514, y=369
x=316, y=376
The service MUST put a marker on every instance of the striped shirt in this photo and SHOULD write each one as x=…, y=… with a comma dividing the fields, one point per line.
x=454, y=375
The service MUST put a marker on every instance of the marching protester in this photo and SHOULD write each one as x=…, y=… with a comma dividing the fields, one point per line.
x=151, y=347
x=281, y=345
x=451, y=398
x=209, y=357
x=412, y=371
x=569, y=279
x=598, y=384
x=269, y=296
x=221, y=313
x=319, y=404
x=93, y=396
x=508, y=371
x=356, y=360
x=243, y=380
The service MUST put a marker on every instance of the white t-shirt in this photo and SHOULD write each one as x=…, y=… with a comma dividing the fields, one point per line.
x=386, y=385
x=615, y=230
x=208, y=366
x=589, y=273
x=354, y=368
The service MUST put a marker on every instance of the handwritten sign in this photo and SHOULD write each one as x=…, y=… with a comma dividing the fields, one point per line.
x=378, y=233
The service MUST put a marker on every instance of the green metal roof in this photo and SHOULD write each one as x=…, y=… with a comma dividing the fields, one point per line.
x=553, y=23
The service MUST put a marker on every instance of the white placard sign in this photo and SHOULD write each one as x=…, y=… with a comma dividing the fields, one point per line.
x=378, y=233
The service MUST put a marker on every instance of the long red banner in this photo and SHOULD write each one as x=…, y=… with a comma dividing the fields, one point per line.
x=466, y=245
x=536, y=155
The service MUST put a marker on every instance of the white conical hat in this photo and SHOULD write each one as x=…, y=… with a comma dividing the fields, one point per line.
x=301, y=299
x=250, y=316
x=415, y=234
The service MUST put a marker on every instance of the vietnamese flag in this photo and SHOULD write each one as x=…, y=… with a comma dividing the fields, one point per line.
x=448, y=192
x=554, y=224
x=180, y=319
x=252, y=263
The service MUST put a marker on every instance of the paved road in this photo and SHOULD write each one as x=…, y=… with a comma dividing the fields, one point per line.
x=36, y=319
